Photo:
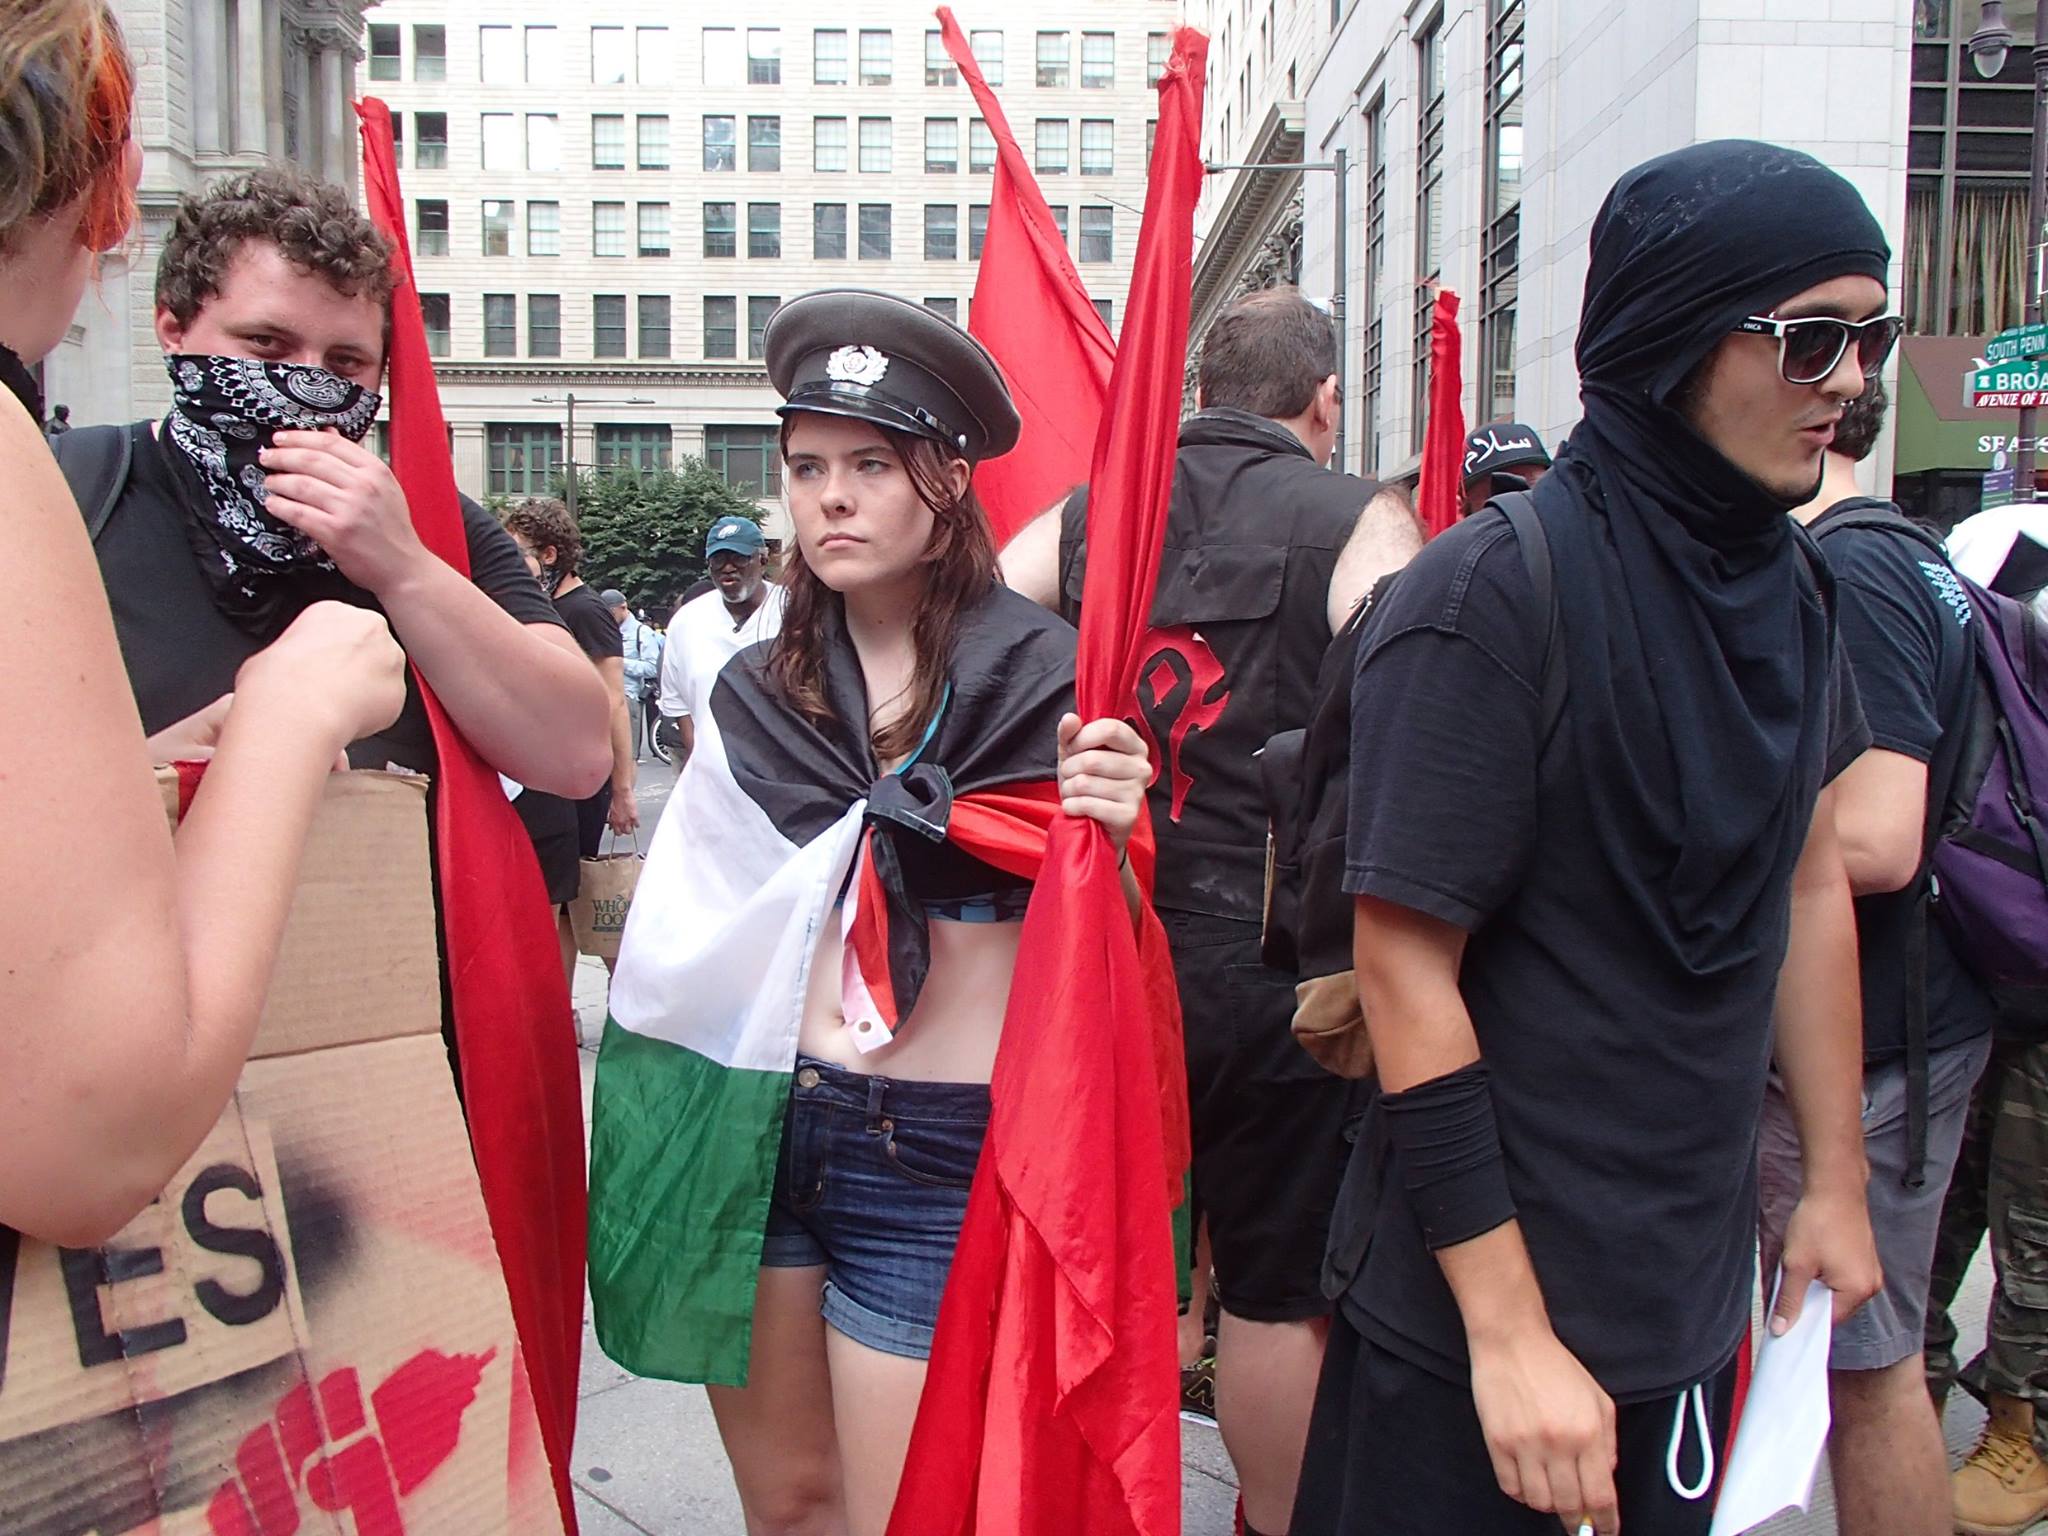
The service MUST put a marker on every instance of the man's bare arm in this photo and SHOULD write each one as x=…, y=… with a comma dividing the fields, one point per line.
x=1385, y=538
x=1030, y=562
x=1881, y=820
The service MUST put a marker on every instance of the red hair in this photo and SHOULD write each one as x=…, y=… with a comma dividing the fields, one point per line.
x=66, y=91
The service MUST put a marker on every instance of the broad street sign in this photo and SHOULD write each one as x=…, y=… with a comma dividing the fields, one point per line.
x=2007, y=386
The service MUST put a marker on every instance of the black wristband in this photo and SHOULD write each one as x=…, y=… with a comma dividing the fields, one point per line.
x=1451, y=1160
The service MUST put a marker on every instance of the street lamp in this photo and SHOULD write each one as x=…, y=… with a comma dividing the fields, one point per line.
x=569, y=437
x=1988, y=47
x=1338, y=163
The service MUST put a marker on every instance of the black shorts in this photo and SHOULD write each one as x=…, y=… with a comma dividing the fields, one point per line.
x=590, y=822
x=551, y=823
x=1269, y=1125
x=1394, y=1450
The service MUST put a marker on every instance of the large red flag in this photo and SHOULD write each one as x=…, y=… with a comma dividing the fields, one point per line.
x=1440, y=497
x=520, y=1084
x=1052, y=1404
x=1032, y=311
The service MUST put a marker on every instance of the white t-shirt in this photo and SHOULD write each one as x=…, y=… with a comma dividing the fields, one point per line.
x=702, y=638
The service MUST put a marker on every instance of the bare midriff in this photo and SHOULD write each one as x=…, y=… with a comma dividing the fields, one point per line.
x=951, y=1035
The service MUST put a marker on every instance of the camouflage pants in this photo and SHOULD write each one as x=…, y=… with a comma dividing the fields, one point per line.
x=2000, y=1186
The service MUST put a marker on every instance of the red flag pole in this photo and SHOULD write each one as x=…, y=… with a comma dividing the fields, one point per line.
x=1440, y=497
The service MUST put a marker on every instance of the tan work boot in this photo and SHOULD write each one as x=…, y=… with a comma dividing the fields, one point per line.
x=2003, y=1488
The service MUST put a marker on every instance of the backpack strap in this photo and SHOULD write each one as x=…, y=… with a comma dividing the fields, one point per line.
x=95, y=461
x=1520, y=510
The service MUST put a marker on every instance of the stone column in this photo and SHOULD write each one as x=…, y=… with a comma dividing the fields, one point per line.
x=252, y=78
x=209, y=74
x=687, y=441
x=334, y=133
x=470, y=475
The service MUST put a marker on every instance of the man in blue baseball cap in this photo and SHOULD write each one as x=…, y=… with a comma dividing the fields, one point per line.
x=742, y=607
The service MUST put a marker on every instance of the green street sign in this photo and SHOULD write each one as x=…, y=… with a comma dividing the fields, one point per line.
x=2007, y=386
x=2021, y=341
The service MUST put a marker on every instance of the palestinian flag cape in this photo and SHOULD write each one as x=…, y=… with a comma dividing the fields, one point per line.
x=777, y=817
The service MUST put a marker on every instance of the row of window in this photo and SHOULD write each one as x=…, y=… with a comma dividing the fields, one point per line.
x=734, y=56
x=652, y=229
x=501, y=143
x=523, y=458
x=649, y=320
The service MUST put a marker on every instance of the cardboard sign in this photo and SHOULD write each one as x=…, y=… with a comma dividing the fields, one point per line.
x=307, y=1332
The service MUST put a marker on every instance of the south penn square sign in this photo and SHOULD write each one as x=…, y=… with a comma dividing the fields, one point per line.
x=2014, y=374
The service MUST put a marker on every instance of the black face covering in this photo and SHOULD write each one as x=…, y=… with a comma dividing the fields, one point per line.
x=225, y=412
x=19, y=382
x=1697, y=643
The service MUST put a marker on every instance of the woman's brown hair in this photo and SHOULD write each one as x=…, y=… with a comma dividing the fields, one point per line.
x=66, y=91
x=960, y=564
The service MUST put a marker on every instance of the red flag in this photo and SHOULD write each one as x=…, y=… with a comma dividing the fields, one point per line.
x=521, y=1086
x=1032, y=311
x=1440, y=497
x=1052, y=1403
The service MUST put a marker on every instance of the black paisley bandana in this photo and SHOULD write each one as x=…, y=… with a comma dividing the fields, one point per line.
x=224, y=413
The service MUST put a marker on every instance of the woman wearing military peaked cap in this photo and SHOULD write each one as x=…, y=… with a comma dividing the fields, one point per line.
x=816, y=919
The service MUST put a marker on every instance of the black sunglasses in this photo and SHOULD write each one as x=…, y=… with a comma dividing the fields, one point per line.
x=1811, y=347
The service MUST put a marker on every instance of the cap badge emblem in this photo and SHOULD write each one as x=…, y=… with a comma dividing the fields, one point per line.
x=856, y=365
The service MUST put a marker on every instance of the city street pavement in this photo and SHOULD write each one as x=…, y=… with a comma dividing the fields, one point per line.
x=648, y=1460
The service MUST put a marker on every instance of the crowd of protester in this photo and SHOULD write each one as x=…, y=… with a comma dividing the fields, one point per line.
x=1549, y=903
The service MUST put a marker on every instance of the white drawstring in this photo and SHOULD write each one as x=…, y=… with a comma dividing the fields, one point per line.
x=1696, y=1491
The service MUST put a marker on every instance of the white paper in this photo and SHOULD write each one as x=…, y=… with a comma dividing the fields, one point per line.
x=1784, y=1422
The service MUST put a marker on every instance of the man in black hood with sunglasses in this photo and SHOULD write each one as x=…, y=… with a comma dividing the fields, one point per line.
x=1580, y=953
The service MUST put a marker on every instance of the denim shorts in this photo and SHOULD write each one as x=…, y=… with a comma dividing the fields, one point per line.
x=872, y=1184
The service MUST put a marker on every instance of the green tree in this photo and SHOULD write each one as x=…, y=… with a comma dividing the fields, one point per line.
x=644, y=531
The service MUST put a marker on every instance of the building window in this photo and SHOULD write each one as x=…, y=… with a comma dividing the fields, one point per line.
x=749, y=459
x=1158, y=49
x=651, y=135
x=1098, y=146
x=877, y=57
x=497, y=227
x=523, y=458
x=828, y=143
x=1107, y=309
x=1151, y=138
x=759, y=312
x=501, y=325
x=945, y=308
x=721, y=64
x=653, y=316
x=608, y=325
x=981, y=147
x=876, y=144
x=721, y=326
x=543, y=142
x=828, y=231
x=1098, y=233
x=652, y=229
x=543, y=325
x=1059, y=218
x=651, y=55
x=721, y=229
x=430, y=226
x=544, y=229
x=977, y=229
x=828, y=56
x=941, y=145
x=607, y=229
x=543, y=56
x=430, y=52
x=764, y=55
x=987, y=48
x=1967, y=157
x=764, y=143
x=384, y=60
x=1429, y=195
x=608, y=142
x=939, y=68
x=874, y=231
x=941, y=232
x=1051, y=158
x=434, y=310
x=500, y=141
x=721, y=148
x=1098, y=60
x=764, y=229
x=607, y=55
x=1374, y=358
x=1055, y=52
x=498, y=56
x=644, y=449
x=430, y=140
x=1501, y=211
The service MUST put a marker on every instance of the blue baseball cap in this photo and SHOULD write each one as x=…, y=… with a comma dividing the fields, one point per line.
x=735, y=535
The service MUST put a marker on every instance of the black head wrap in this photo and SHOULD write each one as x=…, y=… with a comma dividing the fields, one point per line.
x=1697, y=643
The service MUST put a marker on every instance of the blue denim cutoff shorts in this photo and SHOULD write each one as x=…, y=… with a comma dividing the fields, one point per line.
x=872, y=1183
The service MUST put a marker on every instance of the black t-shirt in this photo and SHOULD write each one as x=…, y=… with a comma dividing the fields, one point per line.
x=1905, y=621
x=1627, y=1092
x=591, y=623
x=182, y=652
